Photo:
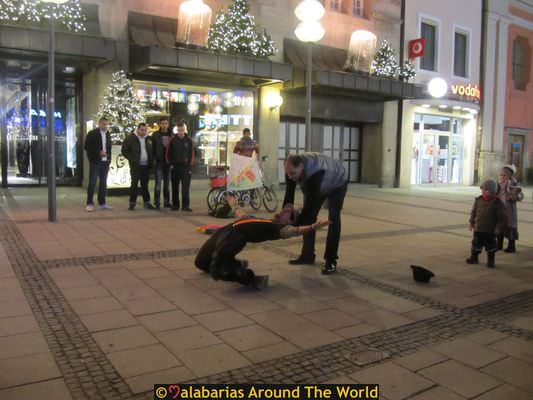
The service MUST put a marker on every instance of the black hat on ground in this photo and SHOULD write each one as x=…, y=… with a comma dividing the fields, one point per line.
x=421, y=274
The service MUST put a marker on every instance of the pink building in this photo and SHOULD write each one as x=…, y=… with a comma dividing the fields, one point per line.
x=518, y=134
x=507, y=120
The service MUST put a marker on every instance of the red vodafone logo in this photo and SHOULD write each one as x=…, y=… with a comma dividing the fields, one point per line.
x=417, y=47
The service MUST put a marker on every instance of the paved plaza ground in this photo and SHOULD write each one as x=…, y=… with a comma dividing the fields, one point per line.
x=104, y=305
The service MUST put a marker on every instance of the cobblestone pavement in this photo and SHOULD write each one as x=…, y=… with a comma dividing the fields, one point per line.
x=102, y=306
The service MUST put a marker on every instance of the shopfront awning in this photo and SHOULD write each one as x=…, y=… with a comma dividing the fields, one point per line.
x=202, y=65
x=154, y=51
x=329, y=77
x=150, y=30
x=74, y=48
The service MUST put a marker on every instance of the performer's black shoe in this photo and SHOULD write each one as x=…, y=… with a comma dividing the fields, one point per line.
x=303, y=261
x=330, y=267
x=260, y=282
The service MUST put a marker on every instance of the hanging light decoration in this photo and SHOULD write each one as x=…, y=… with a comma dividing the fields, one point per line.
x=193, y=22
x=193, y=108
x=361, y=50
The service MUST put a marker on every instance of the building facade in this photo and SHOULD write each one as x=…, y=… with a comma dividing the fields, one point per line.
x=353, y=113
x=440, y=128
x=507, y=121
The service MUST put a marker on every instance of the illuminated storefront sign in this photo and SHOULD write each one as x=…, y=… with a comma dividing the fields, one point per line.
x=228, y=99
x=466, y=91
x=438, y=88
x=42, y=113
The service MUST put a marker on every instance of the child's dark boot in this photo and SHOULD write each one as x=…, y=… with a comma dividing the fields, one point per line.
x=511, y=247
x=491, y=259
x=473, y=259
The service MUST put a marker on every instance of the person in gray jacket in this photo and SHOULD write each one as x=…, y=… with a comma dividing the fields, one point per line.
x=320, y=177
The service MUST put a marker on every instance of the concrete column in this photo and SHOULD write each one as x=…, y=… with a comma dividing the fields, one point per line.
x=388, y=150
x=492, y=154
x=489, y=84
x=407, y=144
x=268, y=130
x=501, y=82
x=379, y=146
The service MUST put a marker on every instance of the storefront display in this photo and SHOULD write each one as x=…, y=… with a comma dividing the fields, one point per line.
x=438, y=149
x=215, y=118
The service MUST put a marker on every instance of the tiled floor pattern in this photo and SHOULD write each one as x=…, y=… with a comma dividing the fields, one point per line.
x=152, y=305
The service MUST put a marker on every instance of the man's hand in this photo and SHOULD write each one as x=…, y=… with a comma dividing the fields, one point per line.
x=471, y=227
x=103, y=153
x=320, y=224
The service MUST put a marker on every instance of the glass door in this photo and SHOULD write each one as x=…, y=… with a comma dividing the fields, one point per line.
x=291, y=141
x=24, y=101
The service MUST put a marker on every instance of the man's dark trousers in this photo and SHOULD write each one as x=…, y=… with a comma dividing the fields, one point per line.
x=180, y=174
x=162, y=173
x=335, y=204
x=97, y=170
x=139, y=173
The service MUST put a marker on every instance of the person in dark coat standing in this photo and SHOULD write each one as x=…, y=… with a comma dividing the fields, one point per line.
x=487, y=220
x=98, y=149
x=138, y=150
x=320, y=177
x=160, y=141
x=180, y=158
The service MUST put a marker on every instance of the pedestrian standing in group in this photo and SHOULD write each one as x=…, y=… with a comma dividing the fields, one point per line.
x=160, y=141
x=246, y=146
x=321, y=178
x=98, y=149
x=487, y=220
x=180, y=158
x=138, y=150
x=509, y=195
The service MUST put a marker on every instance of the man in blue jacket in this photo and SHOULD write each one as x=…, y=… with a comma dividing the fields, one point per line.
x=320, y=177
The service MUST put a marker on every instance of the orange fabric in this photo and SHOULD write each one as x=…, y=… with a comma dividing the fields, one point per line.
x=246, y=221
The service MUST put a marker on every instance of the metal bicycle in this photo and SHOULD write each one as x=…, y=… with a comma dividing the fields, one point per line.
x=254, y=197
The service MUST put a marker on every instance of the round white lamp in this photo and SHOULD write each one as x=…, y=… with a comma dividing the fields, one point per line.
x=309, y=31
x=309, y=10
x=437, y=87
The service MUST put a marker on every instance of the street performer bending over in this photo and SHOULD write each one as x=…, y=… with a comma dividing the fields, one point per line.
x=217, y=255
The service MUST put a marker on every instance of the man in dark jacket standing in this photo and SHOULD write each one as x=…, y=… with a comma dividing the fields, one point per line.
x=98, y=149
x=160, y=141
x=138, y=150
x=180, y=158
x=320, y=177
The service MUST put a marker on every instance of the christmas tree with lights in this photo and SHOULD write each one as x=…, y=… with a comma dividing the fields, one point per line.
x=9, y=10
x=234, y=32
x=384, y=63
x=68, y=15
x=121, y=107
x=408, y=71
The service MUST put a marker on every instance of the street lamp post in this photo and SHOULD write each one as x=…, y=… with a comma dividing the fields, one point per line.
x=309, y=30
x=51, y=171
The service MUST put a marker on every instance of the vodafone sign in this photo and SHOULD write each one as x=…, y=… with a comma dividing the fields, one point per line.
x=417, y=48
x=469, y=90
